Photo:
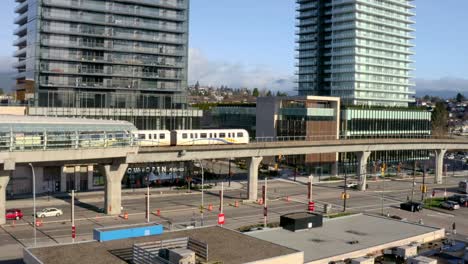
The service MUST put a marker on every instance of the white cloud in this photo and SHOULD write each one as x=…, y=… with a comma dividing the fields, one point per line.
x=236, y=75
x=443, y=84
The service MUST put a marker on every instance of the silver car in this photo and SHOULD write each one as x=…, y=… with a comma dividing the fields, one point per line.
x=450, y=205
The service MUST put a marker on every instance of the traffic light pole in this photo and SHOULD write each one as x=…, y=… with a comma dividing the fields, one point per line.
x=423, y=188
x=345, y=188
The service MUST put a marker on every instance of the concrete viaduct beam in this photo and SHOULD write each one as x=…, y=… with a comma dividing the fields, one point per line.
x=439, y=164
x=362, y=158
x=252, y=164
x=113, y=189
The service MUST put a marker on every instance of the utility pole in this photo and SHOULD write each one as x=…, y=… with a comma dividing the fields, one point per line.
x=221, y=198
x=147, y=201
x=423, y=187
x=384, y=166
x=414, y=181
x=73, y=215
x=34, y=204
x=265, y=208
x=230, y=173
x=345, y=188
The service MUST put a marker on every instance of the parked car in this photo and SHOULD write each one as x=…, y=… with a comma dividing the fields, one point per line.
x=462, y=200
x=450, y=205
x=351, y=185
x=14, y=214
x=47, y=212
x=412, y=206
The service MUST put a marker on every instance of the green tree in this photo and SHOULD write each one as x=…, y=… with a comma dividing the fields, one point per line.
x=278, y=93
x=1, y=91
x=440, y=120
x=460, y=98
x=255, y=92
x=268, y=93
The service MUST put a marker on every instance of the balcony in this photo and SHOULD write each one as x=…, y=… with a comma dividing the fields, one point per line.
x=156, y=13
x=173, y=4
x=22, y=19
x=20, y=41
x=21, y=30
x=20, y=52
x=22, y=7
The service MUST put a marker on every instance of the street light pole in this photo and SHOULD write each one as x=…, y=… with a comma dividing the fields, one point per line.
x=202, y=191
x=34, y=203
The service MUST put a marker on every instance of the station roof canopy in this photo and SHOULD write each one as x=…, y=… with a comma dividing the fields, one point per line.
x=53, y=124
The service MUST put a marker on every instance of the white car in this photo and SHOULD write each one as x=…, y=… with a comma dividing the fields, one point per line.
x=351, y=185
x=47, y=212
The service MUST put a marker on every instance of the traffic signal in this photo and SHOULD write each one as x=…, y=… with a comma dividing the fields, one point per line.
x=424, y=188
x=344, y=196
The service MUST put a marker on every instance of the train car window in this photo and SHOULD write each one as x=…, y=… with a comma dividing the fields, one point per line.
x=233, y=135
x=150, y=136
x=211, y=135
x=222, y=135
x=184, y=135
x=162, y=136
x=141, y=136
x=240, y=134
x=155, y=136
x=203, y=135
x=191, y=135
x=229, y=134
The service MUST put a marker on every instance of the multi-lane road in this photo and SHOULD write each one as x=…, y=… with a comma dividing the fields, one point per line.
x=179, y=209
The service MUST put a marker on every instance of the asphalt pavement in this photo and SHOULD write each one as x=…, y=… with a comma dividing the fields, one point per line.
x=180, y=209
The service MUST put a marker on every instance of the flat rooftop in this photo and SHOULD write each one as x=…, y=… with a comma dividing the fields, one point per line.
x=226, y=246
x=350, y=237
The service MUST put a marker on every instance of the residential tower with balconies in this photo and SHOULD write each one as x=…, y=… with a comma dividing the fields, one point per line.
x=359, y=50
x=127, y=58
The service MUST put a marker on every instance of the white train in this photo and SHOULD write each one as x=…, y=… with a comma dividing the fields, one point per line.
x=156, y=138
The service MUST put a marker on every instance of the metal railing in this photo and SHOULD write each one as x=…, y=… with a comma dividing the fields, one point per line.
x=343, y=137
x=27, y=141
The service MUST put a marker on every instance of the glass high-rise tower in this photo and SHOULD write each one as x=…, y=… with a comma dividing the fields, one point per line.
x=359, y=50
x=105, y=58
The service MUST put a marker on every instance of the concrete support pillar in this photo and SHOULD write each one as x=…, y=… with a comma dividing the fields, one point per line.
x=90, y=177
x=334, y=169
x=63, y=179
x=439, y=165
x=113, y=189
x=77, y=178
x=252, y=164
x=4, y=179
x=362, y=168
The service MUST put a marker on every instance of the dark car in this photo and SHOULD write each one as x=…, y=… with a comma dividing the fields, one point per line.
x=14, y=214
x=411, y=206
x=462, y=200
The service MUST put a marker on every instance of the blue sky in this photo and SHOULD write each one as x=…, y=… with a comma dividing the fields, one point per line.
x=251, y=43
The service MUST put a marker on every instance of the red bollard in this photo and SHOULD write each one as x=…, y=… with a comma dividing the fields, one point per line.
x=210, y=207
x=236, y=204
x=288, y=199
x=158, y=212
x=260, y=201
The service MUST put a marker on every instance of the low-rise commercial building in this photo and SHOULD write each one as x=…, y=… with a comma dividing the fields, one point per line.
x=303, y=118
